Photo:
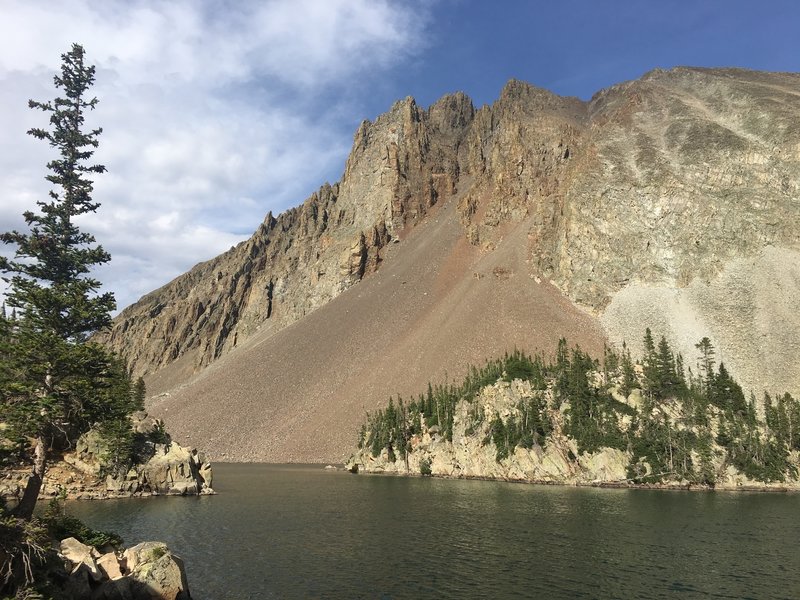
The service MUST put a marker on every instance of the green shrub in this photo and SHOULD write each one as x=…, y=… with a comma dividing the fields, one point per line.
x=60, y=525
x=425, y=467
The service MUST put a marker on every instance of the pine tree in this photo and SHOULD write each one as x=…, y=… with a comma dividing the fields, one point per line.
x=706, y=363
x=650, y=364
x=649, y=344
x=665, y=370
x=57, y=382
x=628, y=373
x=139, y=394
x=793, y=410
x=726, y=393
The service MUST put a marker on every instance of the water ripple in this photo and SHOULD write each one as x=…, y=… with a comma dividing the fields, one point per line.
x=292, y=532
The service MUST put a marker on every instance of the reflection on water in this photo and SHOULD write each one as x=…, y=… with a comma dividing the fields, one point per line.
x=302, y=532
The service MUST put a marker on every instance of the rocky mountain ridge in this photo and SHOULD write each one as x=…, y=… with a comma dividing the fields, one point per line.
x=402, y=164
x=670, y=201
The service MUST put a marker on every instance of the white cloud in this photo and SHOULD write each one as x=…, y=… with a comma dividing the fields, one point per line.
x=213, y=114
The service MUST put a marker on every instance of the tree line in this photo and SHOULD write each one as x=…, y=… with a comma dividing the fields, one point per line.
x=676, y=424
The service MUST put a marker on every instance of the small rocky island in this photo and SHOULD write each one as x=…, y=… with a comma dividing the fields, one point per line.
x=579, y=421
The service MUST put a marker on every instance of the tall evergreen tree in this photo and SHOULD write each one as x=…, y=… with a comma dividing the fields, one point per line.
x=726, y=393
x=628, y=373
x=55, y=377
x=139, y=394
x=706, y=363
x=666, y=368
x=650, y=370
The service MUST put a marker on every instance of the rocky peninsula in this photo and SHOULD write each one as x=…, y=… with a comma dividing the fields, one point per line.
x=580, y=422
x=70, y=559
x=162, y=467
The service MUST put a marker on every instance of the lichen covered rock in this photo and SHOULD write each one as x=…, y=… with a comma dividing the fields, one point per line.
x=147, y=571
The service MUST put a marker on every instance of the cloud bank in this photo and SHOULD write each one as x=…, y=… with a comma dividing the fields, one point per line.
x=213, y=114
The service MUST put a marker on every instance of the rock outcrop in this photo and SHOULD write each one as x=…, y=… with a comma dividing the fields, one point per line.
x=473, y=454
x=670, y=202
x=147, y=571
x=400, y=166
x=83, y=473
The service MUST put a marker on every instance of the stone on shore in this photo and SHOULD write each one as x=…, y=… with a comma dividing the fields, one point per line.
x=147, y=571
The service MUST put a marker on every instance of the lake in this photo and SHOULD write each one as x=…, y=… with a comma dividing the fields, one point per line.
x=287, y=531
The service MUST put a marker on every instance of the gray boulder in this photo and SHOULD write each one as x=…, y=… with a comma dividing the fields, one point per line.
x=157, y=572
x=81, y=558
x=147, y=571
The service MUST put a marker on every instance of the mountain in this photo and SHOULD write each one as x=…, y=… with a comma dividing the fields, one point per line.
x=455, y=234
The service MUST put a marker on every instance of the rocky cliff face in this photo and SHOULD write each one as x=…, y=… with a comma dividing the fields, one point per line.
x=670, y=201
x=399, y=167
x=687, y=218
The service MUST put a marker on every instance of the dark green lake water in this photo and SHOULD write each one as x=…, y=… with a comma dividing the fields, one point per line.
x=302, y=532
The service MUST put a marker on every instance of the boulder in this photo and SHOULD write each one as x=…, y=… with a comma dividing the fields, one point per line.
x=78, y=585
x=117, y=589
x=176, y=470
x=89, y=450
x=147, y=571
x=81, y=558
x=12, y=485
x=141, y=422
x=605, y=465
x=205, y=473
x=157, y=572
x=141, y=553
x=110, y=566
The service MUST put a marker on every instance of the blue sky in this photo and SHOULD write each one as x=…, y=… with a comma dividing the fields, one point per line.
x=215, y=113
x=576, y=48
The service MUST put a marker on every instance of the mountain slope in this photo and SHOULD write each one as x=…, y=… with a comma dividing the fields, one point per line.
x=670, y=201
x=434, y=307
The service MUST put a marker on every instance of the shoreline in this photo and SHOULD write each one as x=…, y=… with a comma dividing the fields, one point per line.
x=669, y=487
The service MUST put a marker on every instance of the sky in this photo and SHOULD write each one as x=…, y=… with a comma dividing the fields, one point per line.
x=216, y=112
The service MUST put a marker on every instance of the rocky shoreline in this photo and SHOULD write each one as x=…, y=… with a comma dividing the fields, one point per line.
x=143, y=572
x=146, y=571
x=471, y=453
x=781, y=488
x=81, y=474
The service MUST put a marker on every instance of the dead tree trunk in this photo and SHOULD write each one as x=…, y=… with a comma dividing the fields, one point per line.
x=25, y=507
